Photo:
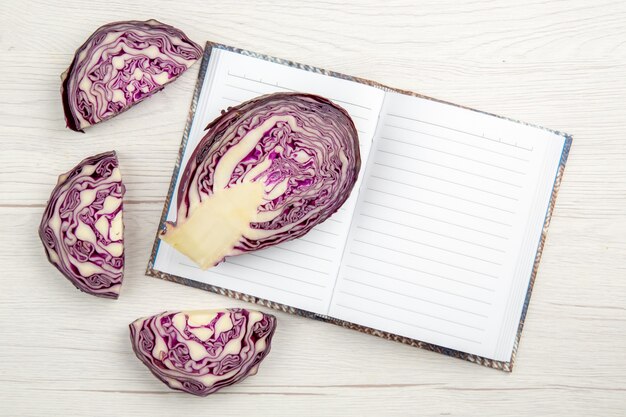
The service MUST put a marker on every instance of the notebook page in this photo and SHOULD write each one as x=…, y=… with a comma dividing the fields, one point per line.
x=446, y=226
x=300, y=273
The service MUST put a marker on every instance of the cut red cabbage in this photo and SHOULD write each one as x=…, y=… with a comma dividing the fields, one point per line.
x=82, y=228
x=201, y=352
x=267, y=171
x=121, y=64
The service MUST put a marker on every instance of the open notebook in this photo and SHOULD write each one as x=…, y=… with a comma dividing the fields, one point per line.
x=439, y=242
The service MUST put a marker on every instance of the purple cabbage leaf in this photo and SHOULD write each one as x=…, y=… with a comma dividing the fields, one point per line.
x=201, y=352
x=121, y=64
x=82, y=228
x=266, y=171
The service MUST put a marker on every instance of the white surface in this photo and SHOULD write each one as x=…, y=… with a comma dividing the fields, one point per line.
x=560, y=64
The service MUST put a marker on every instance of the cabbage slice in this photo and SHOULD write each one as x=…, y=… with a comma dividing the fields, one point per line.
x=201, y=352
x=121, y=64
x=267, y=171
x=82, y=228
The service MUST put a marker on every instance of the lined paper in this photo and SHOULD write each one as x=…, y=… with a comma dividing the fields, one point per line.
x=299, y=273
x=444, y=209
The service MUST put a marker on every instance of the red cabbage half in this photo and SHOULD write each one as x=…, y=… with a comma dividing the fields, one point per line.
x=82, y=229
x=200, y=352
x=121, y=64
x=267, y=171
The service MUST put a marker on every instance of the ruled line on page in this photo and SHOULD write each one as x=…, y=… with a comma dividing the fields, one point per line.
x=454, y=141
x=256, y=255
x=484, y=274
x=243, y=77
x=439, y=206
x=407, y=323
x=277, y=85
x=410, y=310
x=463, y=131
x=326, y=231
x=429, y=245
x=367, y=256
x=330, y=228
x=442, y=193
x=424, y=300
x=230, y=261
x=420, y=285
x=317, y=243
x=271, y=286
x=434, y=233
x=351, y=104
x=447, y=181
x=437, y=220
x=238, y=87
x=302, y=253
x=257, y=283
x=453, y=168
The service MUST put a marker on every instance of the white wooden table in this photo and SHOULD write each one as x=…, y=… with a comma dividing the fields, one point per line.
x=561, y=64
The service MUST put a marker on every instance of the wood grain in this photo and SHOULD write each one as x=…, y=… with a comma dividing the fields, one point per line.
x=560, y=64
